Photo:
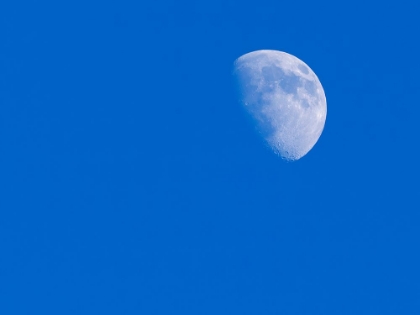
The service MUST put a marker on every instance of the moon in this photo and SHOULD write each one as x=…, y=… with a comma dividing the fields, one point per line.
x=285, y=98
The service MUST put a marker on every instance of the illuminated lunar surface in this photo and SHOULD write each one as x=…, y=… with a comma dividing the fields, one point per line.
x=285, y=99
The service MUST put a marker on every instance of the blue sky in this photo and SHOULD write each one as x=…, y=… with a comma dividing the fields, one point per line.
x=132, y=183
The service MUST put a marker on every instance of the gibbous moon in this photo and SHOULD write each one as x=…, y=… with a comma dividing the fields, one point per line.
x=285, y=98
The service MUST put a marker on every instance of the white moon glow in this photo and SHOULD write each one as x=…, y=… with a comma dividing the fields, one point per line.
x=285, y=98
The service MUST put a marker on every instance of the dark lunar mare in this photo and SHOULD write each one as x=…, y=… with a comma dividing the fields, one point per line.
x=289, y=83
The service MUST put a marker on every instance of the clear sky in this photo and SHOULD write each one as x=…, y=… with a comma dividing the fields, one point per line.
x=132, y=183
